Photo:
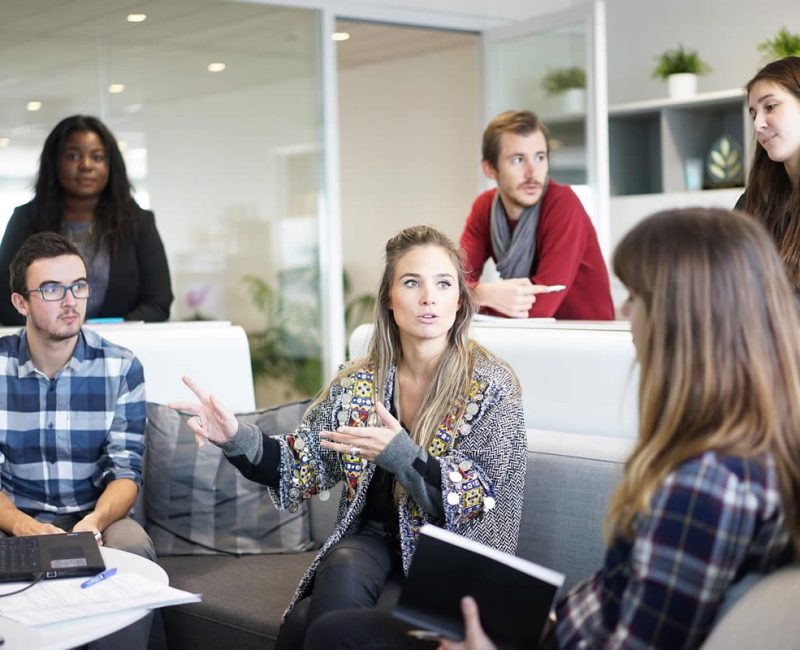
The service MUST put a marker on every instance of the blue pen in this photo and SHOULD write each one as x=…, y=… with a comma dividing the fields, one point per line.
x=99, y=577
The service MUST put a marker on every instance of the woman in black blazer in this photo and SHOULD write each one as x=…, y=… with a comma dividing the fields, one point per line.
x=83, y=192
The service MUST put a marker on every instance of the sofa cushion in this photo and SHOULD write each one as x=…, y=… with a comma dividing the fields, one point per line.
x=243, y=599
x=568, y=485
x=196, y=502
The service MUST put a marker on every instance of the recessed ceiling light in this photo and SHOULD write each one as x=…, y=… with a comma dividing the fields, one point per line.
x=34, y=106
x=122, y=145
x=137, y=18
x=340, y=36
x=216, y=67
x=4, y=142
x=116, y=89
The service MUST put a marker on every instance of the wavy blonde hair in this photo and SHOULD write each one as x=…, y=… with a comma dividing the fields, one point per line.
x=719, y=351
x=453, y=375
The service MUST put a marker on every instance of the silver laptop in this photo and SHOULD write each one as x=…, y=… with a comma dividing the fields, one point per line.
x=50, y=556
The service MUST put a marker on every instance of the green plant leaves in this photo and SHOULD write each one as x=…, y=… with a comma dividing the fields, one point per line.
x=561, y=79
x=679, y=60
x=783, y=44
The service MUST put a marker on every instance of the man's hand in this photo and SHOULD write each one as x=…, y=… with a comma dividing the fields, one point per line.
x=89, y=524
x=32, y=527
x=474, y=636
x=513, y=297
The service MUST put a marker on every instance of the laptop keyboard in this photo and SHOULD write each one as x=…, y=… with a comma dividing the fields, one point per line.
x=19, y=554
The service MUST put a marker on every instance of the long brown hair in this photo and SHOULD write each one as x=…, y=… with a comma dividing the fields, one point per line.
x=771, y=197
x=718, y=350
x=453, y=374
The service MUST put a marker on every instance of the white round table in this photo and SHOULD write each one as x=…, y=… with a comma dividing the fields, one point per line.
x=60, y=636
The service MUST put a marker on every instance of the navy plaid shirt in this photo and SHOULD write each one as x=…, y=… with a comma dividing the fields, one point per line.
x=714, y=520
x=63, y=440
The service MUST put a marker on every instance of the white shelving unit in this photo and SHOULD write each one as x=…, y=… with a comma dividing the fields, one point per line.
x=650, y=141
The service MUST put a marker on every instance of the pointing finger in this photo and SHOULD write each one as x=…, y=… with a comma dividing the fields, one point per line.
x=195, y=388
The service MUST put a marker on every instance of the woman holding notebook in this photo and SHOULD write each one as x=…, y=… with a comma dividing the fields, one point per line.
x=427, y=428
x=712, y=490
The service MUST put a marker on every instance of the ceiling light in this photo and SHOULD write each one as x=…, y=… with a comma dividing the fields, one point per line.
x=137, y=18
x=216, y=67
x=4, y=142
x=116, y=89
x=34, y=106
x=122, y=145
x=340, y=36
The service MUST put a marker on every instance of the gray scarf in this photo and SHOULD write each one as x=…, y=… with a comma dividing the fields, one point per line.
x=514, y=254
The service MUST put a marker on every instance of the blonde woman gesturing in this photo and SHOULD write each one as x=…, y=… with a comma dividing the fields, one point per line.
x=428, y=428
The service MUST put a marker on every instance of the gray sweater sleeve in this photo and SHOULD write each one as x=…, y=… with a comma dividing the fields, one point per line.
x=417, y=471
x=247, y=442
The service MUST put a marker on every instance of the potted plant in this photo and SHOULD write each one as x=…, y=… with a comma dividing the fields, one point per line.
x=783, y=44
x=680, y=67
x=569, y=84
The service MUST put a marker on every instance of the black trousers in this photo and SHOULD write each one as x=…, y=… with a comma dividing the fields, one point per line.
x=361, y=572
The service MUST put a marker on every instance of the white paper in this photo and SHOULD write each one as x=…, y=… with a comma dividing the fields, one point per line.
x=56, y=601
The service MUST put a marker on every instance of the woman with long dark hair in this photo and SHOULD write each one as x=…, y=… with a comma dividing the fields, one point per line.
x=427, y=428
x=82, y=191
x=773, y=186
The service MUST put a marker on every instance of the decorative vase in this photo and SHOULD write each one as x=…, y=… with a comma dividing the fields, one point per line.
x=573, y=100
x=682, y=85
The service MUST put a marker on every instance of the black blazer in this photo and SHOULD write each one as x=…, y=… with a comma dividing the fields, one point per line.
x=139, y=286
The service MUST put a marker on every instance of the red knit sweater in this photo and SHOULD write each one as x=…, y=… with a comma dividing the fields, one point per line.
x=567, y=253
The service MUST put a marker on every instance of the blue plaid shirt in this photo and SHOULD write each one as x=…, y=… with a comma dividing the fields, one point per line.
x=714, y=520
x=63, y=440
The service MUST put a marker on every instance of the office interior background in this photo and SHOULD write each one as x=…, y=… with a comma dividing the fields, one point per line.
x=269, y=151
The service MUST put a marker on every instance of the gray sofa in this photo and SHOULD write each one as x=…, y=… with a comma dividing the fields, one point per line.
x=570, y=478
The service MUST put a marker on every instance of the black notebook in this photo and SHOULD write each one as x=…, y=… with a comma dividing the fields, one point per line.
x=52, y=556
x=514, y=596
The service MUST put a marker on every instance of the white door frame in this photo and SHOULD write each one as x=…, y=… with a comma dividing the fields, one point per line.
x=594, y=17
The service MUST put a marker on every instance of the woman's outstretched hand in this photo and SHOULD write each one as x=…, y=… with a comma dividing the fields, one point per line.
x=366, y=442
x=474, y=636
x=210, y=418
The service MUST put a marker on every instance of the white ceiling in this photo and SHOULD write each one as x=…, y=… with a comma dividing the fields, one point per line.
x=65, y=53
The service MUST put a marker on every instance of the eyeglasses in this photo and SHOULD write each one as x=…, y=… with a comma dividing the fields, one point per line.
x=54, y=292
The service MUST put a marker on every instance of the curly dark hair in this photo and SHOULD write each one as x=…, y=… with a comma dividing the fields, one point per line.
x=115, y=209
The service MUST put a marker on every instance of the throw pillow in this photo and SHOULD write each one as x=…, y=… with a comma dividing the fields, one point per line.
x=196, y=502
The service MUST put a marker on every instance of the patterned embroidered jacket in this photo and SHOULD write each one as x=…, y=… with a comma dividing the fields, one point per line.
x=484, y=449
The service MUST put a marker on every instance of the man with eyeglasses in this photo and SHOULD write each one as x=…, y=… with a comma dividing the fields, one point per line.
x=72, y=408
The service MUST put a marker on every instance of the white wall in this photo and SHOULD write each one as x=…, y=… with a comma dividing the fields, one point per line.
x=217, y=180
x=724, y=33
x=410, y=152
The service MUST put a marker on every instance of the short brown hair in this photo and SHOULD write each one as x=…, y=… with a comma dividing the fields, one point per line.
x=517, y=122
x=42, y=245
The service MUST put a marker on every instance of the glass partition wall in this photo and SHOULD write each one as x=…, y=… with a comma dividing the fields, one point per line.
x=217, y=107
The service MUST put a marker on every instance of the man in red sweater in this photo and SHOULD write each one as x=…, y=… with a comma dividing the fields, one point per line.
x=536, y=231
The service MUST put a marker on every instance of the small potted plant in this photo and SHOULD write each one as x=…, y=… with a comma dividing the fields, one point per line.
x=680, y=67
x=783, y=44
x=570, y=85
